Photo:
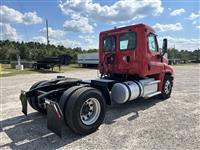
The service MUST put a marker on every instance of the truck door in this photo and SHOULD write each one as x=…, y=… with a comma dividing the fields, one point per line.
x=154, y=62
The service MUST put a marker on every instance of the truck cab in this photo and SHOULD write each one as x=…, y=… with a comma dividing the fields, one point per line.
x=131, y=50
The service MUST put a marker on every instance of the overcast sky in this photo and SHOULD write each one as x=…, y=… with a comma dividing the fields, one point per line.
x=77, y=23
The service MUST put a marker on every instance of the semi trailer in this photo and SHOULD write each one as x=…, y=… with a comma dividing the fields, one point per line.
x=88, y=59
x=131, y=66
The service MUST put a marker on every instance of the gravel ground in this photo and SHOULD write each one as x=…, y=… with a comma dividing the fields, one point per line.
x=141, y=124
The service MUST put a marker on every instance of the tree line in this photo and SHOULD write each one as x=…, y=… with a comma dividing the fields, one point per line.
x=184, y=55
x=32, y=51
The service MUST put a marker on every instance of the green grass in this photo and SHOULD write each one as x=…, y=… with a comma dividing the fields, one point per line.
x=8, y=71
x=188, y=64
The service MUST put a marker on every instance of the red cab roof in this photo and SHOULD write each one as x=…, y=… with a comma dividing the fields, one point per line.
x=128, y=27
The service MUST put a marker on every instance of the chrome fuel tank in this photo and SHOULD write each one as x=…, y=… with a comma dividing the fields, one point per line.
x=130, y=90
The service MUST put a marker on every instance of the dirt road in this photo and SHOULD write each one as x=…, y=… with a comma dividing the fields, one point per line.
x=141, y=124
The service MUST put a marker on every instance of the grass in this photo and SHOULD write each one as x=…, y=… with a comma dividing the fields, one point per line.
x=6, y=70
x=188, y=64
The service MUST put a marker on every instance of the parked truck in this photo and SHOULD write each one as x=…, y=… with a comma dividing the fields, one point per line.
x=131, y=65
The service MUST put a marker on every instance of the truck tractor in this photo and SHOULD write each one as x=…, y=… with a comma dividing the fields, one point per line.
x=131, y=66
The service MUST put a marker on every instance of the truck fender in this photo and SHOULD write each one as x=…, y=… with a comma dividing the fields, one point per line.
x=161, y=78
x=169, y=70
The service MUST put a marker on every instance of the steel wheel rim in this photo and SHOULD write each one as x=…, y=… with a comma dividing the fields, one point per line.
x=90, y=111
x=167, y=87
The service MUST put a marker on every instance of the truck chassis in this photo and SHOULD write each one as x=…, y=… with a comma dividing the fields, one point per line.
x=81, y=104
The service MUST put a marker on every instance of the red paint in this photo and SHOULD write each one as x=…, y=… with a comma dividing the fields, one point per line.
x=143, y=62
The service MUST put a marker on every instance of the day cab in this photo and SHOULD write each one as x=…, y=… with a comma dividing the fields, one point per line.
x=133, y=51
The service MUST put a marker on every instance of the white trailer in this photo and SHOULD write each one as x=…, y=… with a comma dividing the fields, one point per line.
x=88, y=59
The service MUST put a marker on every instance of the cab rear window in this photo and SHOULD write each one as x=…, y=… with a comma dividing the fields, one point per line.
x=127, y=41
x=109, y=43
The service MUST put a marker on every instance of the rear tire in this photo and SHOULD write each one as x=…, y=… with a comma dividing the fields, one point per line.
x=167, y=87
x=85, y=110
x=33, y=100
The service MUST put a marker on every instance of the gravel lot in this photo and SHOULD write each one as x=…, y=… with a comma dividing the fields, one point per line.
x=141, y=124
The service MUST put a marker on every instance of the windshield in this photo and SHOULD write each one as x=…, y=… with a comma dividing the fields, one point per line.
x=109, y=43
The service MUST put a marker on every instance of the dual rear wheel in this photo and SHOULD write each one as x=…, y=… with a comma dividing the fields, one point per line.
x=85, y=110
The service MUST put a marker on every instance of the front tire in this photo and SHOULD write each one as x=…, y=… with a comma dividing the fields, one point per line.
x=167, y=87
x=85, y=110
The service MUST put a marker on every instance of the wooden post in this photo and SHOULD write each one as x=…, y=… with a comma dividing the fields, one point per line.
x=59, y=68
x=0, y=69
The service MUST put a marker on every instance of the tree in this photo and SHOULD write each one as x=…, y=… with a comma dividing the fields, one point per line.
x=35, y=51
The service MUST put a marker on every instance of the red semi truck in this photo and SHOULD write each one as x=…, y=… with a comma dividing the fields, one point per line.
x=131, y=65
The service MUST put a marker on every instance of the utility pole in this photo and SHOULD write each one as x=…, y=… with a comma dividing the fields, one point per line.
x=47, y=32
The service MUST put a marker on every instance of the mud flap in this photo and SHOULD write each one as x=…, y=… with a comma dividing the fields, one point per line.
x=54, y=117
x=23, y=100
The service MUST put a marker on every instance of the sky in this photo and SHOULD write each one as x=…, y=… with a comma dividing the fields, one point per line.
x=77, y=23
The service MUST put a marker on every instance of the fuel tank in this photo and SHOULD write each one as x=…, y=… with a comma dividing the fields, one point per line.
x=130, y=90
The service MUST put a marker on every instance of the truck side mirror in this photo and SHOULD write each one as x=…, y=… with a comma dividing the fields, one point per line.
x=164, y=47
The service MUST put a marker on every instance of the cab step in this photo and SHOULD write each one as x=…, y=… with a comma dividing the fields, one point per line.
x=152, y=94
